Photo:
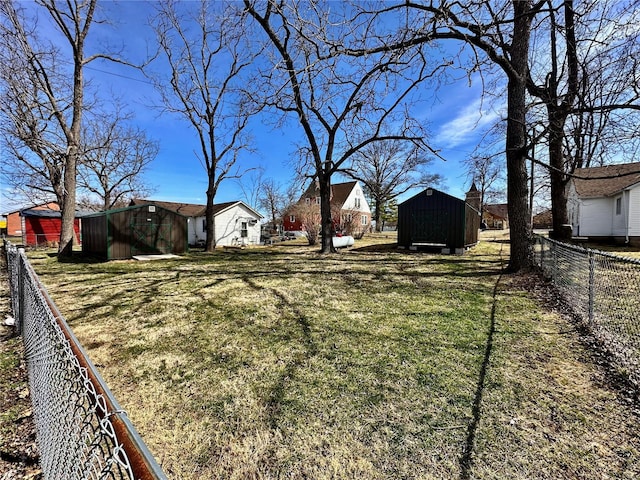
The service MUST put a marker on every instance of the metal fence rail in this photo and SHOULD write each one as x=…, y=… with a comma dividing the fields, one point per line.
x=82, y=433
x=602, y=288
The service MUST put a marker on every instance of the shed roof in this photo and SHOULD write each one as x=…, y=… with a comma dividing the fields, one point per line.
x=130, y=207
x=606, y=181
x=424, y=192
x=35, y=212
x=191, y=209
x=42, y=206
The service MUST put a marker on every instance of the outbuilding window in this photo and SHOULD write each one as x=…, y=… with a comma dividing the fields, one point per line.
x=618, y=205
x=244, y=231
x=292, y=218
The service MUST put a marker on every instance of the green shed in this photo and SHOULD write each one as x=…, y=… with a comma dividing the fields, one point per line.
x=137, y=230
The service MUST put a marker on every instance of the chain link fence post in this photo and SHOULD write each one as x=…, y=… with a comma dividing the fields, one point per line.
x=20, y=293
x=592, y=284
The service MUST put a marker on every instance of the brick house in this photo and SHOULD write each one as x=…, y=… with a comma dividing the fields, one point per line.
x=350, y=211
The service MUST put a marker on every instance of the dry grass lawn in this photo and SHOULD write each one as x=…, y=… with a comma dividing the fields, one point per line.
x=279, y=363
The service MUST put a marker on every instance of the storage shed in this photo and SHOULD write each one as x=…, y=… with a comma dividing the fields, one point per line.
x=43, y=227
x=433, y=219
x=138, y=230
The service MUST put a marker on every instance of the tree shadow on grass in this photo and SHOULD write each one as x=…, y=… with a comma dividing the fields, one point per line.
x=275, y=396
x=466, y=460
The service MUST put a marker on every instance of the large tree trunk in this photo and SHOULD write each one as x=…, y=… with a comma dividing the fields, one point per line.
x=516, y=142
x=326, y=225
x=68, y=206
x=210, y=240
x=558, y=182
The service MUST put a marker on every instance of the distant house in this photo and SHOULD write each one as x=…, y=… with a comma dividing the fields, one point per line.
x=603, y=203
x=350, y=210
x=235, y=222
x=39, y=225
x=137, y=230
x=433, y=219
x=543, y=220
x=496, y=216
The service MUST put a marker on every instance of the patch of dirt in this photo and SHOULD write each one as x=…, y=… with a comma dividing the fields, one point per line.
x=18, y=451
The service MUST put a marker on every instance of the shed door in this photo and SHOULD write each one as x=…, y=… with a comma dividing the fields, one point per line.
x=431, y=225
x=149, y=234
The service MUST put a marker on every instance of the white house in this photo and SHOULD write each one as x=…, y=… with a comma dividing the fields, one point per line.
x=603, y=203
x=235, y=222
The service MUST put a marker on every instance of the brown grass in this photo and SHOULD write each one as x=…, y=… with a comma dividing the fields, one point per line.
x=372, y=363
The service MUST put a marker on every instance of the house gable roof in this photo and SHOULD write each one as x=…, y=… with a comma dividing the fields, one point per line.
x=498, y=210
x=339, y=192
x=619, y=178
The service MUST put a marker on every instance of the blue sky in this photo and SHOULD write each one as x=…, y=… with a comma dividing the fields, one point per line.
x=177, y=175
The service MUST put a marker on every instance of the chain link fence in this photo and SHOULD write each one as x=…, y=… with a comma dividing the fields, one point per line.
x=82, y=433
x=604, y=289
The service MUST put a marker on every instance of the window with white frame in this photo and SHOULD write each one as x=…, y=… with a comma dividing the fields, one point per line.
x=292, y=218
x=204, y=224
x=618, y=205
x=357, y=202
x=364, y=219
x=307, y=201
x=244, y=230
x=317, y=200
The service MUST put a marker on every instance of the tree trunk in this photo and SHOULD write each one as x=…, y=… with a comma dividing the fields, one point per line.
x=326, y=224
x=557, y=176
x=68, y=207
x=378, y=215
x=210, y=240
x=516, y=143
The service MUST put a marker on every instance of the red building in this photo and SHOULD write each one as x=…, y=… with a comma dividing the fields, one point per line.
x=38, y=225
x=42, y=227
x=350, y=210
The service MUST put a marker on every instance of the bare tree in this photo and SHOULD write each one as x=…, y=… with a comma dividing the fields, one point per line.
x=113, y=161
x=341, y=103
x=251, y=187
x=206, y=55
x=310, y=218
x=498, y=32
x=389, y=169
x=485, y=172
x=272, y=200
x=586, y=79
x=43, y=102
